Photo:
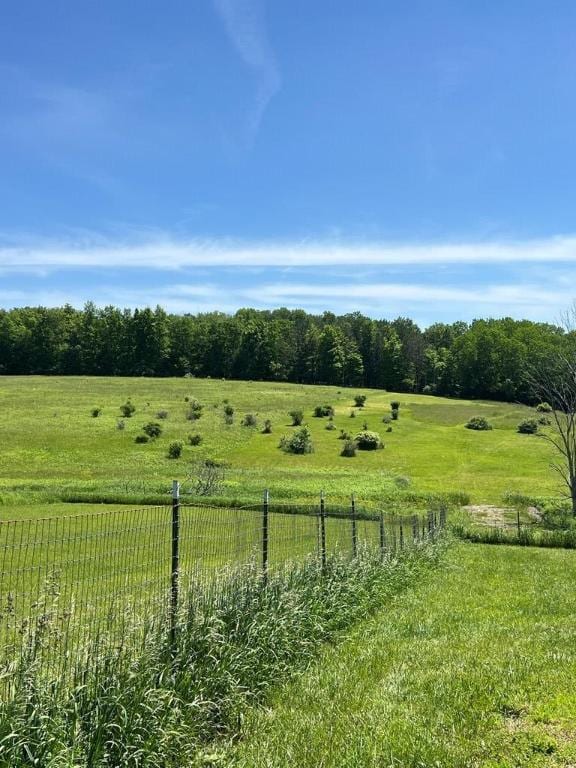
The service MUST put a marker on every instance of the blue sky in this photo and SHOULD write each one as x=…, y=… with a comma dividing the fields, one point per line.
x=389, y=157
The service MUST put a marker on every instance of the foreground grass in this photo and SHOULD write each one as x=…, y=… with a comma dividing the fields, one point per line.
x=52, y=450
x=145, y=704
x=476, y=668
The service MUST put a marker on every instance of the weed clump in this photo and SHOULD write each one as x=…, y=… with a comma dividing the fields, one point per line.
x=228, y=410
x=359, y=401
x=349, y=448
x=162, y=414
x=194, y=439
x=267, y=427
x=95, y=412
x=544, y=408
x=249, y=420
x=141, y=439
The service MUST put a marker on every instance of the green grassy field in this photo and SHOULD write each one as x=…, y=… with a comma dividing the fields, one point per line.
x=473, y=669
x=52, y=450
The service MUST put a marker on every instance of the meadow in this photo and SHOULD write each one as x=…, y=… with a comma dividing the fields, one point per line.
x=54, y=452
x=474, y=668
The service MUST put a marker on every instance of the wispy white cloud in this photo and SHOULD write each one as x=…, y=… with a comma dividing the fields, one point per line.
x=163, y=253
x=245, y=26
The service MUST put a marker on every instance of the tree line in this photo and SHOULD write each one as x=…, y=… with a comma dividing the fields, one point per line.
x=484, y=359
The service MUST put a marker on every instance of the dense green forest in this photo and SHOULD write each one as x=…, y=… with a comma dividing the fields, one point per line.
x=487, y=358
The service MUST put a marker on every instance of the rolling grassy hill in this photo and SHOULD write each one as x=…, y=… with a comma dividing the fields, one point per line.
x=53, y=450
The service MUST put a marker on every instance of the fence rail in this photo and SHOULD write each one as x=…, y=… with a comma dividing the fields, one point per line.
x=66, y=581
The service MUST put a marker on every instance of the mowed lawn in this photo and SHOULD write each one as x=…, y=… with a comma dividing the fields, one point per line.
x=51, y=446
x=476, y=668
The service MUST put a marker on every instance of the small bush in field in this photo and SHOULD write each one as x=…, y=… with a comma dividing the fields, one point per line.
x=127, y=409
x=162, y=414
x=95, y=412
x=368, y=441
x=395, y=405
x=194, y=411
x=175, y=450
x=365, y=426
x=141, y=439
x=330, y=426
x=249, y=420
x=528, y=427
x=299, y=442
x=120, y=424
x=479, y=423
x=228, y=410
x=386, y=419
x=323, y=410
x=388, y=429
x=352, y=414
x=349, y=448
x=544, y=408
x=267, y=427
x=228, y=419
x=152, y=429
x=297, y=417
x=194, y=439
x=344, y=435
x=394, y=414
x=359, y=401
x=545, y=421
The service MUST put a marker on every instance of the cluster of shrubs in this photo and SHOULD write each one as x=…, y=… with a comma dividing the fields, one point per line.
x=528, y=427
x=194, y=411
x=364, y=441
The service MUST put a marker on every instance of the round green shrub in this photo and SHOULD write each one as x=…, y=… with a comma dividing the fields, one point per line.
x=544, y=408
x=394, y=413
x=95, y=412
x=127, y=409
x=528, y=427
x=359, y=401
x=479, y=423
x=395, y=405
x=267, y=427
x=228, y=410
x=152, y=429
x=194, y=439
x=299, y=442
x=249, y=420
x=175, y=450
x=141, y=439
x=323, y=410
x=368, y=441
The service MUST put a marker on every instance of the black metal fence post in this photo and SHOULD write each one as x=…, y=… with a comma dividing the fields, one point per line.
x=382, y=537
x=175, y=563
x=414, y=529
x=401, y=533
x=265, y=511
x=354, y=530
x=322, y=531
x=518, y=521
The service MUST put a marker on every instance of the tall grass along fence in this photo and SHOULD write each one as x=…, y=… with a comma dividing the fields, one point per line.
x=523, y=536
x=133, y=637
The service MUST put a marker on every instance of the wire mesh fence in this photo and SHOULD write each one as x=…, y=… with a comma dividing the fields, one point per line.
x=69, y=585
